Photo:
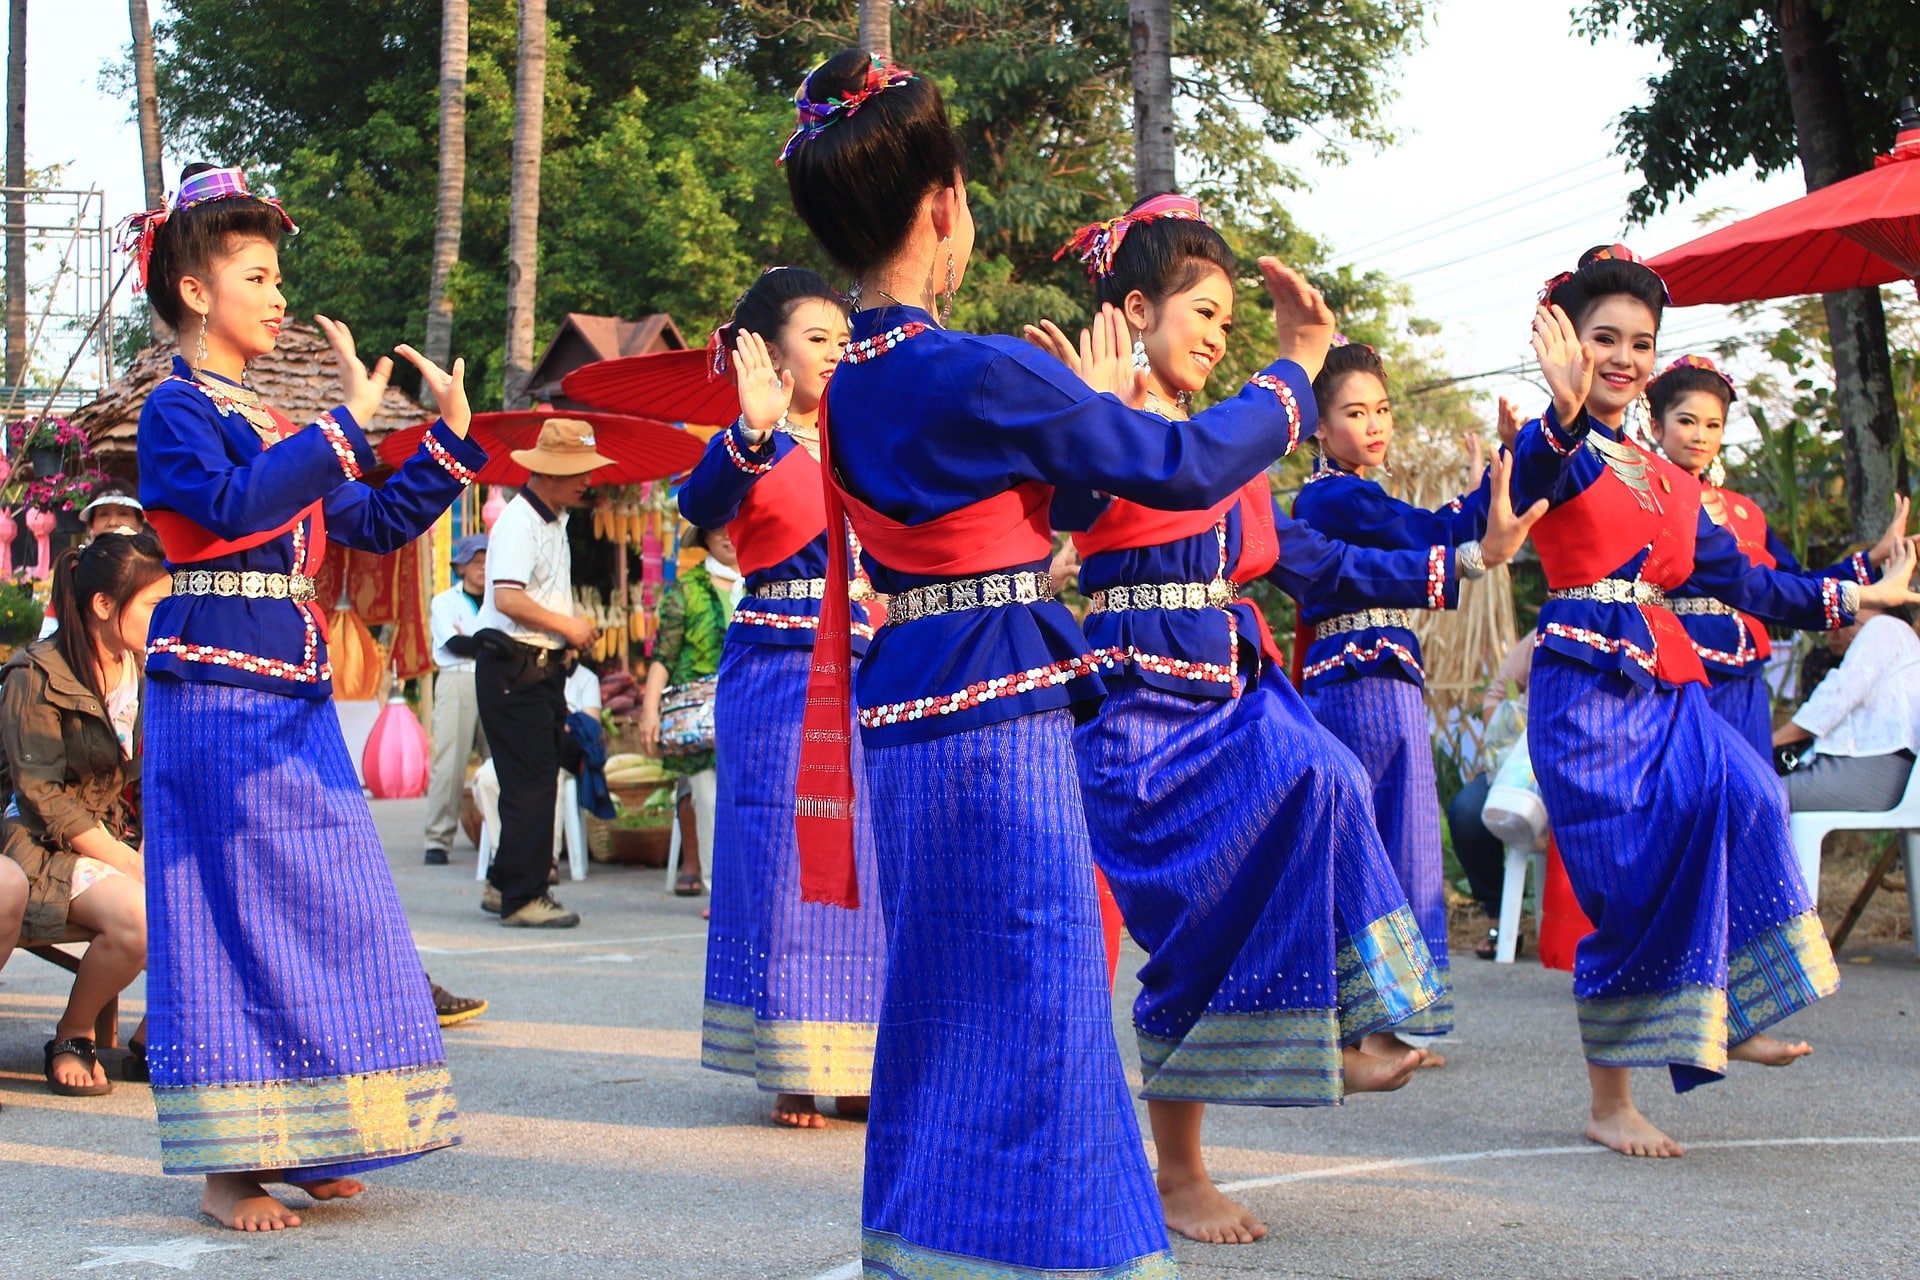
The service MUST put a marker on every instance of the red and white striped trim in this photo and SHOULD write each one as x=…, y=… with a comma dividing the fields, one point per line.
x=1437, y=577
x=739, y=459
x=1352, y=650
x=252, y=663
x=983, y=691
x=791, y=622
x=1830, y=602
x=448, y=463
x=1594, y=640
x=1181, y=668
x=1288, y=401
x=880, y=343
x=342, y=447
x=1553, y=437
x=1862, y=568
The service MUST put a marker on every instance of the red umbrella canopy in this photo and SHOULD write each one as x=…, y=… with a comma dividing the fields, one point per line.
x=676, y=386
x=641, y=448
x=1860, y=232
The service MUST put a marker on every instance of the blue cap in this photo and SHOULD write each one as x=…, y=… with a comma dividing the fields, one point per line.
x=468, y=547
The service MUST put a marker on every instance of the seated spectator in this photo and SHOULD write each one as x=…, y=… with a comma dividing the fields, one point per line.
x=1480, y=854
x=69, y=732
x=1862, y=720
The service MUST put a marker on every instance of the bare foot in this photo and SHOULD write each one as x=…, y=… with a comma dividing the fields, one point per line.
x=331, y=1188
x=1768, y=1052
x=1365, y=1073
x=71, y=1071
x=1631, y=1134
x=238, y=1202
x=1197, y=1210
x=1384, y=1044
x=796, y=1111
x=851, y=1106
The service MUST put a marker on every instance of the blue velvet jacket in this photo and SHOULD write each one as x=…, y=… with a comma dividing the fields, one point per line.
x=1341, y=505
x=203, y=461
x=944, y=420
x=711, y=498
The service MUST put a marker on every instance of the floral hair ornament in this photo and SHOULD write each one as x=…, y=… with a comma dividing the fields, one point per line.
x=136, y=231
x=1096, y=243
x=1609, y=253
x=814, y=117
x=1700, y=362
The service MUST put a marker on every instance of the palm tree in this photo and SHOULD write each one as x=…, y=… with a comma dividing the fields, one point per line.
x=876, y=27
x=147, y=107
x=1151, y=26
x=523, y=218
x=453, y=178
x=16, y=192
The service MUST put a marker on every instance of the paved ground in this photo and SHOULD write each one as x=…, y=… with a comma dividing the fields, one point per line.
x=596, y=1147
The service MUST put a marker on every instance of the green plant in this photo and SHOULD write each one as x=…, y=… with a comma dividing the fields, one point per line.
x=20, y=613
x=653, y=812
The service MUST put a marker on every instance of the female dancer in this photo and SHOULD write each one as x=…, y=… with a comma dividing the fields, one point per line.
x=793, y=988
x=1002, y=1141
x=1688, y=403
x=68, y=726
x=293, y=1035
x=1704, y=932
x=1363, y=677
x=1237, y=833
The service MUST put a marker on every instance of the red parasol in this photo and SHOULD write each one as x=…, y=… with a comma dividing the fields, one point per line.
x=1859, y=232
x=677, y=386
x=641, y=448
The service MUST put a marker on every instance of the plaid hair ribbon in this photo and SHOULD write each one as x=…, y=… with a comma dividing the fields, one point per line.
x=136, y=231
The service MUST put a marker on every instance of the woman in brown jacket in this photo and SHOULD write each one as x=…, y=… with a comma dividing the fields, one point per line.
x=69, y=728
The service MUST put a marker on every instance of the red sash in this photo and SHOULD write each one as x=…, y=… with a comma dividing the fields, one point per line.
x=1748, y=524
x=1008, y=528
x=1585, y=540
x=782, y=513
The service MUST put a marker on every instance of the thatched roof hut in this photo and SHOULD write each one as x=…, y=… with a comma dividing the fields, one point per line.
x=297, y=377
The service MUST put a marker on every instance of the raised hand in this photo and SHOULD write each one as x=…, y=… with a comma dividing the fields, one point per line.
x=764, y=394
x=1300, y=315
x=1896, y=578
x=1476, y=455
x=449, y=389
x=1565, y=361
x=1506, y=531
x=1106, y=357
x=1052, y=339
x=1508, y=423
x=1896, y=531
x=360, y=390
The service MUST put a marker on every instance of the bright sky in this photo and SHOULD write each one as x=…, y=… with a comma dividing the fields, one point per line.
x=1495, y=185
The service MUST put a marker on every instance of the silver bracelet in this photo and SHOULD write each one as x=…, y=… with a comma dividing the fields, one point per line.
x=1470, y=560
x=1850, y=596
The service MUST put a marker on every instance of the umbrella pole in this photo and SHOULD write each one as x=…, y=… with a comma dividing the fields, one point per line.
x=620, y=595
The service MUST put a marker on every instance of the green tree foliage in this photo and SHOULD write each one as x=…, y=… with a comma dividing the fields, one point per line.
x=659, y=192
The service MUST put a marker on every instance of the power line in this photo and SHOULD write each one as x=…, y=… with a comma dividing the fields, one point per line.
x=1437, y=226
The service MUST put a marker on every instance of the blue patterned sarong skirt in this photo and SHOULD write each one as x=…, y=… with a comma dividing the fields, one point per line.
x=1383, y=720
x=1743, y=702
x=1239, y=840
x=289, y=1023
x=1002, y=1143
x=1674, y=836
x=793, y=989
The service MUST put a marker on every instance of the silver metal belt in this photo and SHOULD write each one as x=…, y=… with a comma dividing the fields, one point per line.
x=792, y=589
x=988, y=591
x=1614, y=591
x=1703, y=604
x=251, y=585
x=1363, y=620
x=1217, y=594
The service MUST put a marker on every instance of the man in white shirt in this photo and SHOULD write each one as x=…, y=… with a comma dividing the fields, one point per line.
x=526, y=624
x=1862, y=720
x=456, y=712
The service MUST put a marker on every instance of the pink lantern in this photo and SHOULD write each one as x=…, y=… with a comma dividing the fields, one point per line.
x=40, y=525
x=8, y=531
x=6, y=469
x=495, y=504
x=397, y=759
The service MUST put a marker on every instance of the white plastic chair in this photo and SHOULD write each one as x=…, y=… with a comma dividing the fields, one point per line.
x=569, y=827
x=1512, y=891
x=1811, y=826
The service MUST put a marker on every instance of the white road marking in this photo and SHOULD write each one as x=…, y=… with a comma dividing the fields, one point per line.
x=555, y=946
x=179, y=1253
x=851, y=1270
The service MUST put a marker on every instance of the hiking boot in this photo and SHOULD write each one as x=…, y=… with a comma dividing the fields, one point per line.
x=542, y=913
x=490, y=899
x=436, y=858
x=451, y=1009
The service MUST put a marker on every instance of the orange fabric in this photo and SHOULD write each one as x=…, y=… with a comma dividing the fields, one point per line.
x=1748, y=525
x=1562, y=923
x=782, y=513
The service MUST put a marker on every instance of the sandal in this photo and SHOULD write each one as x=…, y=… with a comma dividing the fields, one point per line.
x=1488, y=948
x=134, y=1069
x=82, y=1048
x=688, y=886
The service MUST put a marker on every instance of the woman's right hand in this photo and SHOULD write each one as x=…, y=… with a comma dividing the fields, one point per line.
x=649, y=728
x=1506, y=530
x=1300, y=315
x=1053, y=340
x=1566, y=362
x=764, y=395
x=1896, y=578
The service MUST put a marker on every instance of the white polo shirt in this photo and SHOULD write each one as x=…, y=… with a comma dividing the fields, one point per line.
x=452, y=613
x=527, y=548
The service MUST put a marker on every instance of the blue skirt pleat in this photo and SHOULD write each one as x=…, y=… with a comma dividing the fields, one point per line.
x=1002, y=1140
x=289, y=1023
x=1382, y=719
x=1743, y=702
x=1239, y=839
x=1674, y=835
x=793, y=989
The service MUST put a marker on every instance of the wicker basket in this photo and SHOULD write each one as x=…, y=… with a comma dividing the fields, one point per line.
x=638, y=846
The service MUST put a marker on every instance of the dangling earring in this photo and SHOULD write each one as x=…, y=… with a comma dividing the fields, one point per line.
x=1646, y=422
x=946, y=299
x=1717, y=474
x=200, y=351
x=853, y=296
x=1320, y=465
x=1140, y=362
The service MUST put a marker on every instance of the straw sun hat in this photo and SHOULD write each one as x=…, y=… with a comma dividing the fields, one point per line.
x=565, y=448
